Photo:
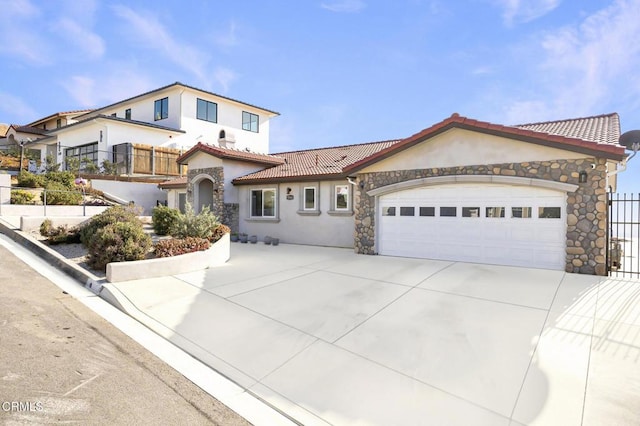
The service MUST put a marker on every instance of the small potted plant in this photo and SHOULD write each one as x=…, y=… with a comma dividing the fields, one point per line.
x=267, y=240
x=234, y=237
x=275, y=241
x=244, y=238
x=253, y=239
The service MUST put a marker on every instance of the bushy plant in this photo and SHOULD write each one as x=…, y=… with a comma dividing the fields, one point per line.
x=29, y=180
x=65, y=178
x=59, y=194
x=110, y=216
x=109, y=168
x=218, y=232
x=164, y=219
x=199, y=225
x=178, y=246
x=20, y=196
x=118, y=242
x=89, y=166
x=50, y=164
x=73, y=164
x=45, y=227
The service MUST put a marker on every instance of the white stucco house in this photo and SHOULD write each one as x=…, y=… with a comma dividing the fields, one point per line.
x=144, y=134
x=527, y=195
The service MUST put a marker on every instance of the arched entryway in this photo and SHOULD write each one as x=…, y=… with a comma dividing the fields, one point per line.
x=204, y=195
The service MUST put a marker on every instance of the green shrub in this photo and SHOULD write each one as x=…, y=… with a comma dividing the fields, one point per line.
x=178, y=246
x=118, y=242
x=164, y=219
x=109, y=168
x=29, y=180
x=50, y=164
x=218, y=232
x=63, y=235
x=46, y=227
x=199, y=225
x=20, y=196
x=59, y=194
x=66, y=178
x=110, y=216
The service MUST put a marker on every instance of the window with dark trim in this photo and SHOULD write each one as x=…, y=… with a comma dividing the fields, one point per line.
x=207, y=111
x=549, y=212
x=521, y=212
x=388, y=211
x=448, y=211
x=427, y=211
x=84, y=154
x=407, y=211
x=161, y=109
x=58, y=123
x=263, y=202
x=127, y=113
x=471, y=212
x=494, y=212
x=249, y=121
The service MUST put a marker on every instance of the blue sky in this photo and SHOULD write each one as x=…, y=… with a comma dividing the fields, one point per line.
x=338, y=71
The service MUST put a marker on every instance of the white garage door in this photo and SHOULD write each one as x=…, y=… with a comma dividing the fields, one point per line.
x=482, y=223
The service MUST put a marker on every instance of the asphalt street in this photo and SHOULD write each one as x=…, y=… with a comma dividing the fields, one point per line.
x=62, y=363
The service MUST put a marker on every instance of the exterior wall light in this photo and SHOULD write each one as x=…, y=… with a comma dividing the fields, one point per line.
x=583, y=177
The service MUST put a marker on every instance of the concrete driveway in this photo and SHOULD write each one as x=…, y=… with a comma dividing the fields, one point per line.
x=331, y=337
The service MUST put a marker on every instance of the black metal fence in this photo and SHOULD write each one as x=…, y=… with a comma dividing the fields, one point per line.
x=623, y=235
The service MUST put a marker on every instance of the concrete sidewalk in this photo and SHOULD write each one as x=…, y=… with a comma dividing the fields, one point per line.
x=330, y=337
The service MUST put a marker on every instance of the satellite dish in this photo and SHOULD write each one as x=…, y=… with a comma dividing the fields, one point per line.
x=630, y=140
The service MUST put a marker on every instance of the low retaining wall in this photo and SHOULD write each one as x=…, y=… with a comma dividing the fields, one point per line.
x=49, y=211
x=216, y=255
x=32, y=223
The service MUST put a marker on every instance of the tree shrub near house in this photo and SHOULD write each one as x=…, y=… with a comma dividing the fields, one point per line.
x=175, y=247
x=164, y=219
x=118, y=242
x=110, y=216
x=199, y=225
x=20, y=196
x=59, y=194
x=29, y=180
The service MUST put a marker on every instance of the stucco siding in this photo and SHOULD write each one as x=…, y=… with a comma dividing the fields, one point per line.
x=292, y=224
x=458, y=147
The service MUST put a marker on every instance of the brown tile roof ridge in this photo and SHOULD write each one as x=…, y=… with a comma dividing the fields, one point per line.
x=232, y=154
x=171, y=183
x=315, y=163
x=602, y=128
x=336, y=147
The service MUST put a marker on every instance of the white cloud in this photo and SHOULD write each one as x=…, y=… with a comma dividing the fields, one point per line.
x=16, y=108
x=228, y=38
x=90, y=94
x=18, y=36
x=90, y=43
x=587, y=68
x=344, y=6
x=519, y=11
x=147, y=29
x=225, y=77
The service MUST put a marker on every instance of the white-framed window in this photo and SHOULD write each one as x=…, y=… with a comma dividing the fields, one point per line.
x=309, y=200
x=263, y=202
x=249, y=121
x=341, y=199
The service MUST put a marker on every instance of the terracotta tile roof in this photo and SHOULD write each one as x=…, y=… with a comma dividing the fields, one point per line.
x=231, y=154
x=606, y=150
x=176, y=183
x=60, y=114
x=3, y=130
x=603, y=128
x=316, y=163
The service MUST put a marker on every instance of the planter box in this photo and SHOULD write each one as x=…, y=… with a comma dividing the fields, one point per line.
x=216, y=255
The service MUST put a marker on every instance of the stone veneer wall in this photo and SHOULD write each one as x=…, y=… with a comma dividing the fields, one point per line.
x=231, y=216
x=217, y=176
x=586, y=207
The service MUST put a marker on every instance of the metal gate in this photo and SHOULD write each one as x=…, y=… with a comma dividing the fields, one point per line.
x=623, y=236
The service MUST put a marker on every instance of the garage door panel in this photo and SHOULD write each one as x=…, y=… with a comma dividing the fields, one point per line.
x=527, y=241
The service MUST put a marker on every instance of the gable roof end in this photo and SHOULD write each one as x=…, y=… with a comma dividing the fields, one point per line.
x=231, y=154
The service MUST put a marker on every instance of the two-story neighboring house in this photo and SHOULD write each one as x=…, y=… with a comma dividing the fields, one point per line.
x=143, y=135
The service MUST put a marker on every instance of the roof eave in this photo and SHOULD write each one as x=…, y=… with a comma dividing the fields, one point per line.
x=283, y=179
